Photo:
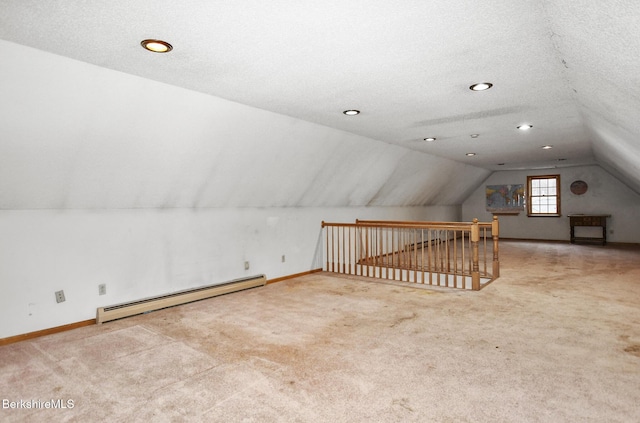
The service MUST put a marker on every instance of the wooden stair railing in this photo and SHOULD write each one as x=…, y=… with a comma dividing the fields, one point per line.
x=449, y=254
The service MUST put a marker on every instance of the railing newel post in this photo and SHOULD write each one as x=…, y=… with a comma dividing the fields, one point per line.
x=475, y=239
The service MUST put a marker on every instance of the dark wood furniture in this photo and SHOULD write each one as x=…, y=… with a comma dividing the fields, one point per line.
x=589, y=220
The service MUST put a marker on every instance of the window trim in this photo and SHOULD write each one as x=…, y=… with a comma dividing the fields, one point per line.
x=529, y=196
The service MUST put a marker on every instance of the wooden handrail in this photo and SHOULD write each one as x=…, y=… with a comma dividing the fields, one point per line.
x=352, y=225
x=408, y=224
x=425, y=225
x=420, y=223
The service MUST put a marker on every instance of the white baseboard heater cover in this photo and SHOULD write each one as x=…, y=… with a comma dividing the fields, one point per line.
x=119, y=311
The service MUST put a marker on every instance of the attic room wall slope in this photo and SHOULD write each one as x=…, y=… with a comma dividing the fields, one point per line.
x=593, y=41
x=618, y=151
x=77, y=136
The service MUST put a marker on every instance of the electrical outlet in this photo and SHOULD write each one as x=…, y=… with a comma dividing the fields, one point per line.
x=246, y=265
x=102, y=289
x=60, y=296
x=283, y=258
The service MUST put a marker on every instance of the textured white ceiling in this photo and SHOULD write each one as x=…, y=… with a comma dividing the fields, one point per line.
x=570, y=68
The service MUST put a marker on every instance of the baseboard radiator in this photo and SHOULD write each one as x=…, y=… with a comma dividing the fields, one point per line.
x=119, y=311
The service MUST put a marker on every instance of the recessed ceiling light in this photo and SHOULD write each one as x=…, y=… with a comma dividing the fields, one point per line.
x=500, y=164
x=525, y=127
x=481, y=86
x=156, y=46
x=561, y=160
x=430, y=139
x=475, y=135
x=547, y=147
x=351, y=112
x=471, y=154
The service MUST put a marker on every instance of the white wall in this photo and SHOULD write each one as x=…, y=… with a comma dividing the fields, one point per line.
x=606, y=195
x=146, y=252
x=110, y=178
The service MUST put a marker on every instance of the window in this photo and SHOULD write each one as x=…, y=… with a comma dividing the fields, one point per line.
x=543, y=193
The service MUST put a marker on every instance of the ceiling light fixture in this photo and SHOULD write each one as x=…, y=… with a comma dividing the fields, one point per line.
x=430, y=139
x=547, y=147
x=351, y=112
x=475, y=135
x=481, y=86
x=156, y=46
x=525, y=127
x=471, y=154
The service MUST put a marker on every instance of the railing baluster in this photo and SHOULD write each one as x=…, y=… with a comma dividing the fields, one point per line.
x=393, y=252
x=366, y=250
x=381, y=259
x=422, y=255
x=470, y=258
x=401, y=252
x=326, y=232
x=465, y=235
x=494, y=235
x=333, y=248
x=436, y=255
x=484, y=251
x=349, y=251
x=359, y=256
x=374, y=250
x=338, y=249
x=440, y=255
x=430, y=255
x=388, y=250
x=396, y=252
x=415, y=256
x=384, y=269
x=374, y=258
x=455, y=252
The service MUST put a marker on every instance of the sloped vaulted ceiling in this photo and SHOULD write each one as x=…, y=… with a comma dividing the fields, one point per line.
x=599, y=43
x=247, y=108
x=79, y=136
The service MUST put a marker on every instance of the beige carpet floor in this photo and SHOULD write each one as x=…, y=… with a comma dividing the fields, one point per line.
x=555, y=339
